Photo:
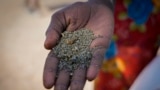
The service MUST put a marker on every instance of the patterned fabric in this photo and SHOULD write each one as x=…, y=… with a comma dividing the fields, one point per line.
x=143, y=9
x=136, y=41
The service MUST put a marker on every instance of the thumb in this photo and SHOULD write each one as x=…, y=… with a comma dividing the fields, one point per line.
x=56, y=27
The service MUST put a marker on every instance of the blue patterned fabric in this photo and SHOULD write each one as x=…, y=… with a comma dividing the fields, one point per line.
x=111, y=51
x=139, y=10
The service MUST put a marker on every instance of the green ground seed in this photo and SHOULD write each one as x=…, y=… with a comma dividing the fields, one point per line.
x=73, y=50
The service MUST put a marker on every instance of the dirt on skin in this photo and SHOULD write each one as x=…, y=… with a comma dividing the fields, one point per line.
x=73, y=50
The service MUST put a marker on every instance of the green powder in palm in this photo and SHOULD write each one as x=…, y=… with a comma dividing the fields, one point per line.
x=73, y=50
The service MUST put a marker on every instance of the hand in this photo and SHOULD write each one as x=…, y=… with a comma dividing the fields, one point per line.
x=96, y=17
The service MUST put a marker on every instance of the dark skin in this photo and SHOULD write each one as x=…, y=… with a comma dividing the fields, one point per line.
x=98, y=17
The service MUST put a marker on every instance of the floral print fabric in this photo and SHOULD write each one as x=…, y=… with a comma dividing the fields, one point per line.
x=135, y=43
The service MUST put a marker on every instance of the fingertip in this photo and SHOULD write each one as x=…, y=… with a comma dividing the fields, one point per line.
x=63, y=80
x=48, y=80
x=90, y=78
x=47, y=85
x=78, y=79
x=95, y=64
x=51, y=39
x=48, y=45
x=50, y=70
x=91, y=75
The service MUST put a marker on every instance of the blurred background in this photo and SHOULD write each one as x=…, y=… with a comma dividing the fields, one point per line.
x=22, y=34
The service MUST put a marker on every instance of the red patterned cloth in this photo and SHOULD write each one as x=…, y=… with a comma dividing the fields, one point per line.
x=137, y=45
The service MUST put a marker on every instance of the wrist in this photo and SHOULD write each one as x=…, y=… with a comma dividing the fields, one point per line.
x=108, y=3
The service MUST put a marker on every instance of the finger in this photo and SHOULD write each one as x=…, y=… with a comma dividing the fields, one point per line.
x=53, y=33
x=96, y=63
x=51, y=39
x=99, y=45
x=63, y=80
x=74, y=16
x=78, y=79
x=50, y=69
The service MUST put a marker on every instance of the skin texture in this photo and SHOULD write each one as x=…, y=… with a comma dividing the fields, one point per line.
x=96, y=17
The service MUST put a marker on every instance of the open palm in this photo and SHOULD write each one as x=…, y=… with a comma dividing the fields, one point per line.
x=95, y=17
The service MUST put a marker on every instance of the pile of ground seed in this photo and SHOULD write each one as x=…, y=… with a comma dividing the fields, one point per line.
x=73, y=50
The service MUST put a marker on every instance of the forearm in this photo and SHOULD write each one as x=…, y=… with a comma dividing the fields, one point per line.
x=109, y=3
